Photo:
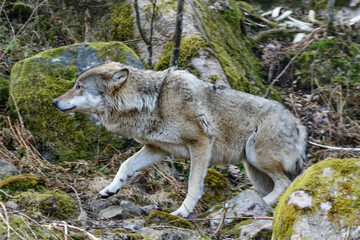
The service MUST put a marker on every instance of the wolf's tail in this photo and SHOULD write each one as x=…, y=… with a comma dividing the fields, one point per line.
x=291, y=165
x=301, y=143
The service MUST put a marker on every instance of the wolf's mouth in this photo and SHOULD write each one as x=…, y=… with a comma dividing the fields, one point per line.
x=68, y=109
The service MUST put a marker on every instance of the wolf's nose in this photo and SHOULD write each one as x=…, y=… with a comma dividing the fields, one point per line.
x=54, y=102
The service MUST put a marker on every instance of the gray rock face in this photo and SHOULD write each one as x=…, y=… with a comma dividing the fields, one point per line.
x=247, y=203
x=7, y=168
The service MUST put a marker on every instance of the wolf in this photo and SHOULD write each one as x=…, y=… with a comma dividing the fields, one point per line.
x=173, y=113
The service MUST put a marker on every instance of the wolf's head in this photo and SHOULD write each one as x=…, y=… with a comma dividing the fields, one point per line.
x=92, y=89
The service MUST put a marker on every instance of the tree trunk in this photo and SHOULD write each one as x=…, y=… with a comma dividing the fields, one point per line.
x=147, y=41
x=177, y=35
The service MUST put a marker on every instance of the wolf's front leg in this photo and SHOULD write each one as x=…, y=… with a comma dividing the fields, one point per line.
x=200, y=154
x=148, y=155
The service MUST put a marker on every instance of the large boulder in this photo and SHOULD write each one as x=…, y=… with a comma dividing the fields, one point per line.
x=36, y=81
x=214, y=45
x=321, y=204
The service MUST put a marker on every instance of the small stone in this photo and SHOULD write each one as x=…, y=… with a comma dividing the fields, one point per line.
x=12, y=205
x=7, y=168
x=97, y=205
x=131, y=208
x=133, y=224
x=147, y=209
x=112, y=212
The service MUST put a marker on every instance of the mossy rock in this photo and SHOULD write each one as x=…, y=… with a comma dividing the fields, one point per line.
x=189, y=47
x=321, y=204
x=36, y=81
x=21, y=182
x=51, y=203
x=232, y=48
x=157, y=217
x=216, y=187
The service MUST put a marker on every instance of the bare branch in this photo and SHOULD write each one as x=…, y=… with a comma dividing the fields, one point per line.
x=175, y=53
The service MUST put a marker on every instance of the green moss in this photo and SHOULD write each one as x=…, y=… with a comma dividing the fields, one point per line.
x=21, y=10
x=36, y=81
x=21, y=182
x=189, y=48
x=328, y=61
x=120, y=24
x=51, y=203
x=336, y=187
x=214, y=78
x=105, y=50
x=157, y=217
x=232, y=48
x=4, y=91
x=216, y=187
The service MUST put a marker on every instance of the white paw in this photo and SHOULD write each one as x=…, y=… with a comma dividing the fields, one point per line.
x=109, y=190
x=181, y=212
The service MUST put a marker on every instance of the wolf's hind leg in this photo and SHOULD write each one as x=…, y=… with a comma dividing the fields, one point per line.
x=148, y=155
x=261, y=181
x=200, y=154
x=281, y=183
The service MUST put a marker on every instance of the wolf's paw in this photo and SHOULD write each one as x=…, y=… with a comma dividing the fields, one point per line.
x=181, y=212
x=109, y=191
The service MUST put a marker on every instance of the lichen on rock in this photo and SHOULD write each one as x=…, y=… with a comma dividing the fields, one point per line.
x=51, y=203
x=216, y=187
x=21, y=182
x=36, y=81
x=334, y=187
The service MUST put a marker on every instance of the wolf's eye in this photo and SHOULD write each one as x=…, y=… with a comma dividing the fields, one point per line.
x=77, y=87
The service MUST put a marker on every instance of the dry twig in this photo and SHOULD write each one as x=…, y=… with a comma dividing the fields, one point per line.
x=7, y=195
x=335, y=148
x=59, y=225
x=207, y=219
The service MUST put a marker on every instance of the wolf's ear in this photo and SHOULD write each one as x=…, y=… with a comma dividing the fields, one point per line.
x=119, y=77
